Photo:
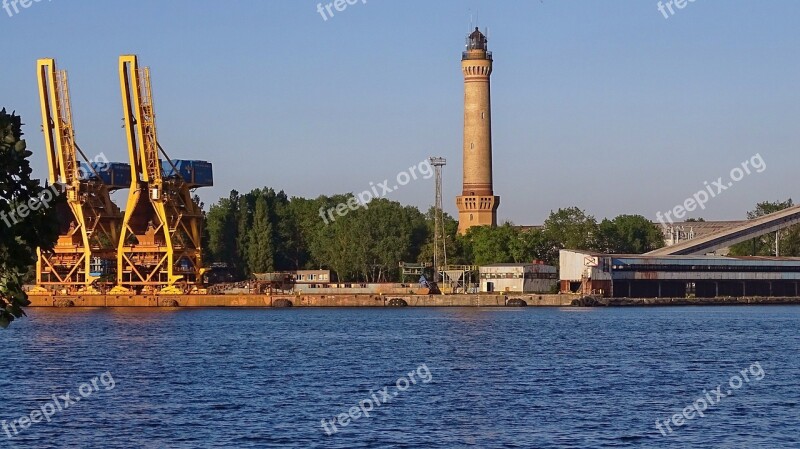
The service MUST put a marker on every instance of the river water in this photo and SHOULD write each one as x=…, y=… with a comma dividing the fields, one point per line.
x=484, y=378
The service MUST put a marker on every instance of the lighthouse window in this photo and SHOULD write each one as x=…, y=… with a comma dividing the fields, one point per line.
x=483, y=115
x=472, y=146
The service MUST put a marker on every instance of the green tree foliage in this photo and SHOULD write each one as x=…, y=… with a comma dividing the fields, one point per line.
x=454, y=244
x=19, y=240
x=539, y=247
x=789, y=238
x=508, y=243
x=221, y=225
x=367, y=244
x=492, y=245
x=264, y=231
x=260, y=251
x=629, y=234
x=571, y=228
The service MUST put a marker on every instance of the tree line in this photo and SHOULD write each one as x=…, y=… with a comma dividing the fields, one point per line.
x=265, y=231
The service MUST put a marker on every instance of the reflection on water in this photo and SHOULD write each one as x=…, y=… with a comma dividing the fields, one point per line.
x=507, y=377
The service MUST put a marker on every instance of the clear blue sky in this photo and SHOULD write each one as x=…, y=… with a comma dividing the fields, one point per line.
x=605, y=105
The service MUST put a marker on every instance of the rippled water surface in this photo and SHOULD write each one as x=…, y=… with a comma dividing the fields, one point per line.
x=499, y=378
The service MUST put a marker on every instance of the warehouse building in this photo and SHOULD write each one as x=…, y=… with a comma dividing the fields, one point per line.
x=518, y=278
x=641, y=276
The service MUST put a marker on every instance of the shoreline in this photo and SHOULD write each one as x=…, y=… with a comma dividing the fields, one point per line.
x=410, y=300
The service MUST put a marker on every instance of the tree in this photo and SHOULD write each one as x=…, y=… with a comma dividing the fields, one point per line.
x=288, y=238
x=492, y=245
x=454, y=243
x=539, y=247
x=25, y=230
x=260, y=251
x=571, y=228
x=509, y=244
x=629, y=234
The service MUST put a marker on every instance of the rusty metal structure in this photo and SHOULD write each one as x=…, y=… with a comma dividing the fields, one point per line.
x=90, y=222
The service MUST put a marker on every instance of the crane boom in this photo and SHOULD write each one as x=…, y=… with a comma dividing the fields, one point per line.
x=160, y=244
x=89, y=221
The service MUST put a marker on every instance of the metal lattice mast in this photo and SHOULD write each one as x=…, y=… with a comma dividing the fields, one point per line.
x=439, y=236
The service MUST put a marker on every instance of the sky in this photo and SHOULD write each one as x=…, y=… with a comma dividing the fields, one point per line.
x=605, y=105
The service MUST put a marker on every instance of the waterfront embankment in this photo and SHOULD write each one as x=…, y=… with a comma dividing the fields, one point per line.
x=340, y=300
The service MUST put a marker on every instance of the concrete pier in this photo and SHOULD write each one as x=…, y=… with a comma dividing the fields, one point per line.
x=302, y=300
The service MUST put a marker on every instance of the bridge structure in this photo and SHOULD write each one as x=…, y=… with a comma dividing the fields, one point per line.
x=748, y=230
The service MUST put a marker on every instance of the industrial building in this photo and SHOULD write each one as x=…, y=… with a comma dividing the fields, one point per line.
x=518, y=278
x=679, y=232
x=671, y=276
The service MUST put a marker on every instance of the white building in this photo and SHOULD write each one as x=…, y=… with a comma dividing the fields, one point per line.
x=518, y=278
x=585, y=272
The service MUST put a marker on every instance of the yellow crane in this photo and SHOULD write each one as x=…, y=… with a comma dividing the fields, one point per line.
x=160, y=245
x=89, y=222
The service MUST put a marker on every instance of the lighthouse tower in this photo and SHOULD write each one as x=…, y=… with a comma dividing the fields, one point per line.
x=477, y=205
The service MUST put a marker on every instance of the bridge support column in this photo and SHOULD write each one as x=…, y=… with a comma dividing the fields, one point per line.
x=716, y=289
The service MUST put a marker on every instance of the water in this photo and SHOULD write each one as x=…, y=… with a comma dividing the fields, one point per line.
x=499, y=378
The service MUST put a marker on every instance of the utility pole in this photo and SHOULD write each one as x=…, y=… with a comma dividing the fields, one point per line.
x=777, y=241
x=439, y=235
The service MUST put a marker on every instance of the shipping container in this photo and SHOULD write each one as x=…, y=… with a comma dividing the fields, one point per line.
x=195, y=173
x=116, y=175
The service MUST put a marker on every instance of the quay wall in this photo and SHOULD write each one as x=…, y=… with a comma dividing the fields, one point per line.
x=718, y=301
x=363, y=300
x=301, y=300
